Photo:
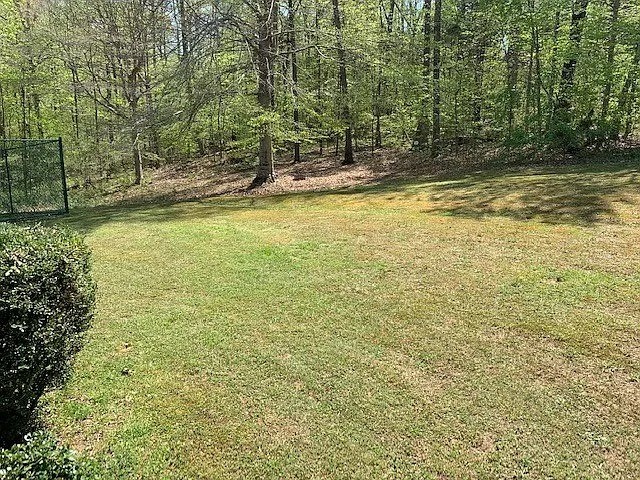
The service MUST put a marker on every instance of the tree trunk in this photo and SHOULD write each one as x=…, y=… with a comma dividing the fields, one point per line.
x=25, y=128
x=96, y=119
x=422, y=130
x=76, y=110
x=3, y=121
x=513, y=63
x=137, y=158
x=377, y=110
x=135, y=145
x=529, y=83
x=478, y=77
x=342, y=82
x=627, y=95
x=35, y=99
x=294, y=82
x=538, y=82
x=554, y=75
x=563, y=103
x=154, y=137
x=265, y=62
x=109, y=95
x=611, y=52
x=184, y=37
x=320, y=73
x=437, y=39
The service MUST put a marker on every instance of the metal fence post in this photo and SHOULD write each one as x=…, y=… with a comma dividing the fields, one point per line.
x=64, y=177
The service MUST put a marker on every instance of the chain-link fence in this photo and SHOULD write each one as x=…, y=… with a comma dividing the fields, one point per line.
x=32, y=178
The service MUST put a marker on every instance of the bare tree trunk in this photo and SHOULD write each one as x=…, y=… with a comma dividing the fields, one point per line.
x=154, y=138
x=377, y=110
x=320, y=74
x=220, y=128
x=437, y=39
x=96, y=119
x=109, y=96
x=265, y=63
x=529, y=83
x=184, y=38
x=377, y=113
x=342, y=82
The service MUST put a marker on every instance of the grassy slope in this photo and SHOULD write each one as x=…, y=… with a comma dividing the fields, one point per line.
x=484, y=326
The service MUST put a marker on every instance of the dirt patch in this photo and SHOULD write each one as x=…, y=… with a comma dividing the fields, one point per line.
x=210, y=177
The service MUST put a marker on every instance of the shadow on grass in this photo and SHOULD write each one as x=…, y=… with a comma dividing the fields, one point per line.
x=574, y=195
x=580, y=194
x=91, y=218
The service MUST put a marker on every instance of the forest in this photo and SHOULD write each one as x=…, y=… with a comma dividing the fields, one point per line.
x=131, y=84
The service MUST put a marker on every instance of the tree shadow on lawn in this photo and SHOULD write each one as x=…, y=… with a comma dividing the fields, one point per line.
x=91, y=218
x=582, y=194
x=569, y=194
x=577, y=195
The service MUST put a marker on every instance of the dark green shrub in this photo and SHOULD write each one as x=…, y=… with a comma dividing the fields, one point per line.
x=46, y=303
x=41, y=458
x=519, y=138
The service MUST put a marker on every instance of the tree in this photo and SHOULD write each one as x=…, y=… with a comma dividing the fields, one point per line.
x=611, y=52
x=437, y=40
x=422, y=131
x=294, y=80
x=345, y=113
x=567, y=79
x=264, y=53
x=130, y=84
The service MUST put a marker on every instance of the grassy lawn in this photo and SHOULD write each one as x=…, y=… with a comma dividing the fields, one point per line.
x=481, y=326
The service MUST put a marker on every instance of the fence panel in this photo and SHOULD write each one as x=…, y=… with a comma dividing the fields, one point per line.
x=32, y=177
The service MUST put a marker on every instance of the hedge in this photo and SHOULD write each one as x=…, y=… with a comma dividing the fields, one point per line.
x=40, y=457
x=47, y=298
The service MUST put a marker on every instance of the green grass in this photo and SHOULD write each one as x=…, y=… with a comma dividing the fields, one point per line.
x=476, y=327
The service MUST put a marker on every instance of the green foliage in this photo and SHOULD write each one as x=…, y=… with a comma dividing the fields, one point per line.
x=502, y=73
x=46, y=305
x=564, y=136
x=40, y=457
x=602, y=134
